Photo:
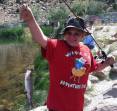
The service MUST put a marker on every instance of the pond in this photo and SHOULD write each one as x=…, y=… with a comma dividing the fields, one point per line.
x=14, y=58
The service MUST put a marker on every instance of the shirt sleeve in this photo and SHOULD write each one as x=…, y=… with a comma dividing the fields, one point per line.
x=48, y=53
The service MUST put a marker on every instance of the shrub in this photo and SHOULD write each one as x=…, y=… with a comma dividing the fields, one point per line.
x=41, y=73
x=89, y=7
x=13, y=34
x=48, y=30
x=41, y=80
x=59, y=14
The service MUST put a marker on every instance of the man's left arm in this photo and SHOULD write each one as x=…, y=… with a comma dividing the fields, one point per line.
x=108, y=62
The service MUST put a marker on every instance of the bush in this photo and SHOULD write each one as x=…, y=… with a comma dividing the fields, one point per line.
x=78, y=9
x=88, y=7
x=41, y=80
x=14, y=34
x=41, y=73
x=59, y=14
x=47, y=30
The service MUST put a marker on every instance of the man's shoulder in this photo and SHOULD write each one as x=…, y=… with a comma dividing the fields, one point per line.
x=55, y=42
x=83, y=46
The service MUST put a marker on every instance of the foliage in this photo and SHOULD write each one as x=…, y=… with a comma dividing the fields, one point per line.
x=89, y=7
x=36, y=11
x=41, y=80
x=58, y=14
x=39, y=97
x=48, y=30
x=41, y=73
x=12, y=34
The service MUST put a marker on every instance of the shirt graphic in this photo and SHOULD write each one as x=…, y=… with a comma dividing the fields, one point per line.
x=78, y=70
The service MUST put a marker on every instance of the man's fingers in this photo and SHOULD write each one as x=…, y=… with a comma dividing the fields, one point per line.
x=24, y=7
x=26, y=13
x=22, y=10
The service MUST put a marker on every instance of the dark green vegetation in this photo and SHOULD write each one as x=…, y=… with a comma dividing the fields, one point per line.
x=41, y=80
x=9, y=35
x=48, y=30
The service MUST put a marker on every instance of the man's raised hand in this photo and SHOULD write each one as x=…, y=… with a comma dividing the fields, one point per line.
x=26, y=13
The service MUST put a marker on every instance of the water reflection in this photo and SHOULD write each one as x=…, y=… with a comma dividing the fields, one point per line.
x=13, y=60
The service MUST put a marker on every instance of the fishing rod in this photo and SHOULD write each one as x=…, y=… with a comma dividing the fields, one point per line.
x=104, y=55
x=78, y=17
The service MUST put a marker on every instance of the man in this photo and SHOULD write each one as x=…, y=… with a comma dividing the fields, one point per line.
x=70, y=63
x=89, y=41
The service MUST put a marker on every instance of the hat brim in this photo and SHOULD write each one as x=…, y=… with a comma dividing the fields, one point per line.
x=70, y=26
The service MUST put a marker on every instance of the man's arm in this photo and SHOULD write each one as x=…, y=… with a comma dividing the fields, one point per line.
x=109, y=61
x=27, y=15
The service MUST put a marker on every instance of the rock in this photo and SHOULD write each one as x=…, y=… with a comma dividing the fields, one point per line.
x=18, y=1
x=100, y=75
x=107, y=49
x=3, y=108
x=87, y=100
x=107, y=105
x=93, y=79
x=113, y=74
x=89, y=85
x=41, y=108
x=32, y=2
x=112, y=93
x=106, y=72
x=104, y=98
x=114, y=53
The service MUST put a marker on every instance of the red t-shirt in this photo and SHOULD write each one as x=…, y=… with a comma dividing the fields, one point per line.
x=66, y=92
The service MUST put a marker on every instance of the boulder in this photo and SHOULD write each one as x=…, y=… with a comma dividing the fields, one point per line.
x=87, y=100
x=107, y=105
x=93, y=79
x=100, y=75
x=40, y=108
x=89, y=85
x=3, y=108
x=113, y=72
x=104, y=98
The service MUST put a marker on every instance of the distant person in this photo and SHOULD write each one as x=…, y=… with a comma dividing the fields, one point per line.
x=89, y=41
x=70, y=63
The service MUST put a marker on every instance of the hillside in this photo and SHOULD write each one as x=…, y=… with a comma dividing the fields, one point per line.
x=9, y=8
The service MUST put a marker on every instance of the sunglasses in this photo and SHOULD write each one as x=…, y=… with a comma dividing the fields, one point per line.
x=73, y=33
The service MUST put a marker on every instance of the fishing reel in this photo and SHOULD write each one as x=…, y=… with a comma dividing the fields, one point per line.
x=101, y=57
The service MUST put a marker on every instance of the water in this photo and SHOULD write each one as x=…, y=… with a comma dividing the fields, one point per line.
x=14, y=58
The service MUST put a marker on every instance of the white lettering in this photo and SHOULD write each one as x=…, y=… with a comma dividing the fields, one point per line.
x=70, y=85
x=72, y=53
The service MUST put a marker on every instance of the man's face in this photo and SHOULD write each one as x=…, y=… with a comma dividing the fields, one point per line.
x=73, y=36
